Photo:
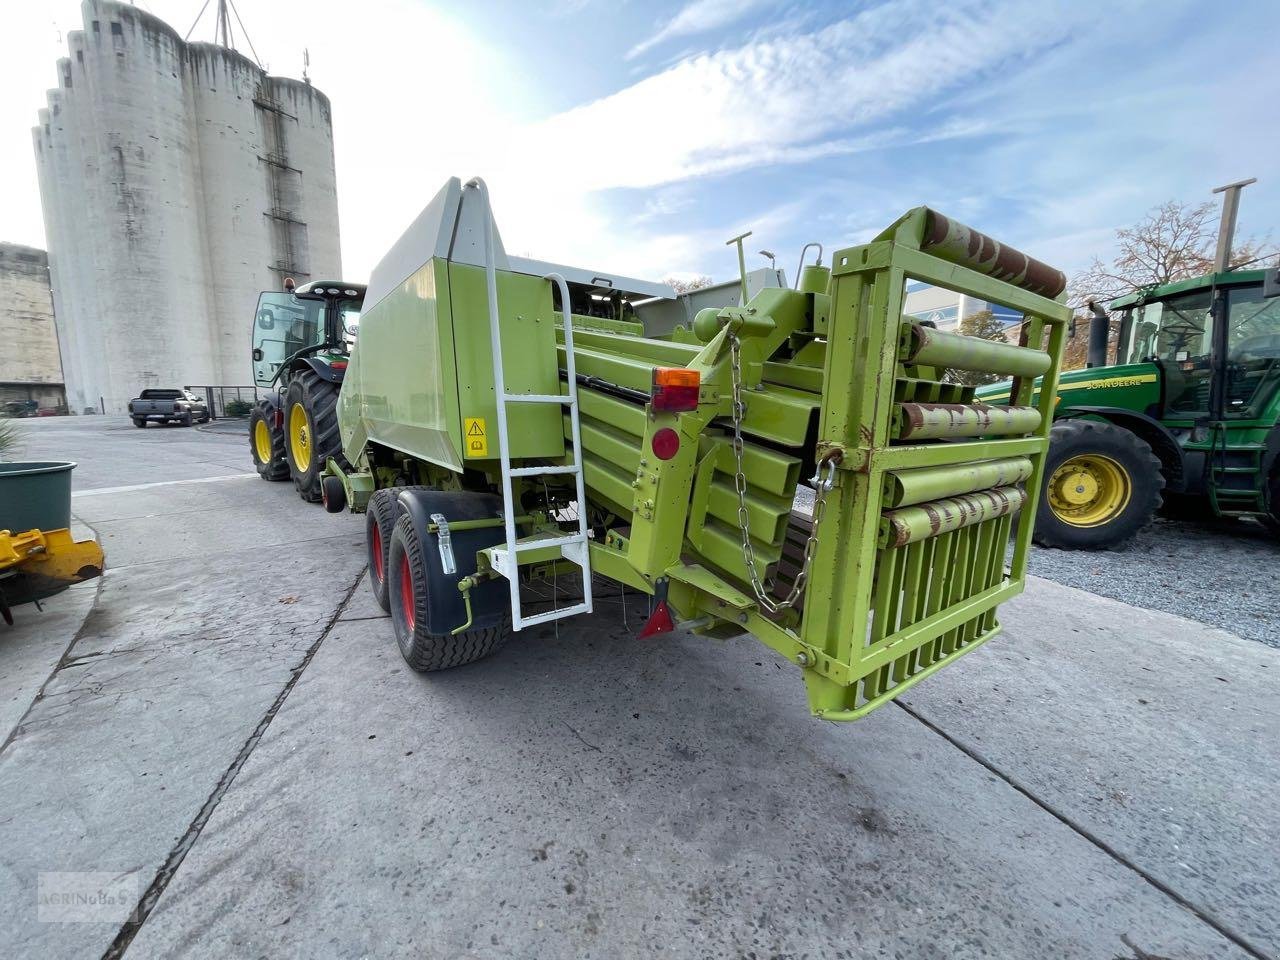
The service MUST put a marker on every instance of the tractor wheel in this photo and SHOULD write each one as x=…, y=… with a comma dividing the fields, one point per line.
x=266, y=443
x=311, y=431
x=1271, y=519
x=1102, y=485
x=409, y=585
x=379, y=522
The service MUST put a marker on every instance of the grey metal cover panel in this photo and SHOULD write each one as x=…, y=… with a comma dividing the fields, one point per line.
x=628, y=286
x=450, y=227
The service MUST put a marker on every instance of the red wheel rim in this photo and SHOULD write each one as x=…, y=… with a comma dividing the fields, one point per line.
x=406, y=593
x=379, y=565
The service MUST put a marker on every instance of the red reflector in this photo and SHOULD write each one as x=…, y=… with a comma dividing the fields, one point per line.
x=338, y=365
x=659, y=621
x=665, y=443
x=674, y=389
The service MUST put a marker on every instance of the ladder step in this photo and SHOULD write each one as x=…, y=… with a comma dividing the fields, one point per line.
x=538, y=398
x=536, y=543
x=539, y=471
x=554, y=615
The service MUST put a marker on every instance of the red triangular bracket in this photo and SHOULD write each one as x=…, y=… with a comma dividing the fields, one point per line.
x=659, y=621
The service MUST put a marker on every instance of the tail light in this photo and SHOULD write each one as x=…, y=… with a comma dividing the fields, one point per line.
x=338, y=365
x=674, y=389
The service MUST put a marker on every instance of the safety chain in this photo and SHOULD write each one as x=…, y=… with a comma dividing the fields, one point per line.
x=763, y=589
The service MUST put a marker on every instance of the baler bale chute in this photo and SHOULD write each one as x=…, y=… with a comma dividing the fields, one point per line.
x=502, y=427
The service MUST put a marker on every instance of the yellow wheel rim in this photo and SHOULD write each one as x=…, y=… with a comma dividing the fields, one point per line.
x=1089, y=490
x=300, y=437
x=262, y=441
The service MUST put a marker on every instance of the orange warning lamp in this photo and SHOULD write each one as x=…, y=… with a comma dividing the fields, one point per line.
x=675, y=389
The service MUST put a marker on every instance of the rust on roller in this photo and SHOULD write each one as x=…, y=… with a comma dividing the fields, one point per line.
x=933, y=421
x=953, y=241
x=923, y=521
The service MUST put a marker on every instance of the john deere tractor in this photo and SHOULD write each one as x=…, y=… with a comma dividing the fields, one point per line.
x=301, y=346
x=1190, y=414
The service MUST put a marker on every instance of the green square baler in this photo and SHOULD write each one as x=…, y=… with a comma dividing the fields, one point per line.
x=507, y=423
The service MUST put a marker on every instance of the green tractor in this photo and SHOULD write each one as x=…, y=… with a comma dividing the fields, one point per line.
x=301, y=346
x=1188, y=418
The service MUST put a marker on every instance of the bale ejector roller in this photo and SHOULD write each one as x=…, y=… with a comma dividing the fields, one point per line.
x=508, y=422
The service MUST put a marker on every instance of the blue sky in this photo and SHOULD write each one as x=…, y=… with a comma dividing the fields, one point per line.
x=637, y=137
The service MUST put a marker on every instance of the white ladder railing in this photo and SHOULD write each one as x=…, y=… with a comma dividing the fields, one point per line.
x=573, y=547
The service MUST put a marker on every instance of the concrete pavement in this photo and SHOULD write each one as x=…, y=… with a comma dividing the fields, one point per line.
x=233, y=730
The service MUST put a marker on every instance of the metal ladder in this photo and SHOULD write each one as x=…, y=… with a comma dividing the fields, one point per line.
x=575, y=546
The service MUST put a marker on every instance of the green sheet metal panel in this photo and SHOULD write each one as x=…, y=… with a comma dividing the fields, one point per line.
x=529, y=363
x=423, y=369
x=406, y=395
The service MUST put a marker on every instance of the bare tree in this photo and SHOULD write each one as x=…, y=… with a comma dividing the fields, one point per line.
x=687, y=285
x=1174, y=241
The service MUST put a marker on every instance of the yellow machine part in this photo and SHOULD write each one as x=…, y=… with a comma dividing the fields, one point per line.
x=40, y=563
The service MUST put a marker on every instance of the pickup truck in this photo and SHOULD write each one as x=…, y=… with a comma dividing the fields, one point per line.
x=168, y=406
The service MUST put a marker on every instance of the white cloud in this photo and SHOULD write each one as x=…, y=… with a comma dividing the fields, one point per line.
x=695, y=18
x=780, y=99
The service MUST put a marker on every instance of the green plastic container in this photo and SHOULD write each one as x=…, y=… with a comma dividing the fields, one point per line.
x=35, y=495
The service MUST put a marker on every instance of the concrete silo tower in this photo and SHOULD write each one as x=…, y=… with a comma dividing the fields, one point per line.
x=178, y=180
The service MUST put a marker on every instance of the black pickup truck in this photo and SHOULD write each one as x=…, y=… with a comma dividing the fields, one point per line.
x=168, y=406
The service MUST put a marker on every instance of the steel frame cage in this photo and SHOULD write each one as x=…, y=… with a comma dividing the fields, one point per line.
x=879, y=619
x=871, y=642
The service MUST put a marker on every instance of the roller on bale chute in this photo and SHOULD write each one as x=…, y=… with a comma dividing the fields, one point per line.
x=505, y=420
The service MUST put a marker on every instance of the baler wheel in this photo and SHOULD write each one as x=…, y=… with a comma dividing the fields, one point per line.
x=266, y=443
x=409, y=588
x=379, y=522
x=311, y=431
x=1102, y=485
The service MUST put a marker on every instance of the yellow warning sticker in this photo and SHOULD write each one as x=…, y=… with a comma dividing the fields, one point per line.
x=475, y=437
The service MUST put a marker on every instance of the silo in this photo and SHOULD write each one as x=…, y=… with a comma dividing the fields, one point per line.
x=224, y=86
x=156, y=160
x=308, y=145
x=58, y=156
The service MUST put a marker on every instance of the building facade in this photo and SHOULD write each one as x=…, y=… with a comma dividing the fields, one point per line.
x=30, y=364
x=178, y=180
x=946, y=308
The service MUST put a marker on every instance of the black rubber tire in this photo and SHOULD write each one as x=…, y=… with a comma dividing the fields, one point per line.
x=1073, y=438
x=379, y=522
x=277, y=468
x=319, y=400
x=1271, y=519
x=186, y=420
x=424, y=651
x=139, y=422
x=333, y=495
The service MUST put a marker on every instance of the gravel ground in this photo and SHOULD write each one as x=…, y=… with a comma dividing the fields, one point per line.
x=1221, y=573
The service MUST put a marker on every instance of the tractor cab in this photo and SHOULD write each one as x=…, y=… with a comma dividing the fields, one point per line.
x=317, y=319
x=1215, y=341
